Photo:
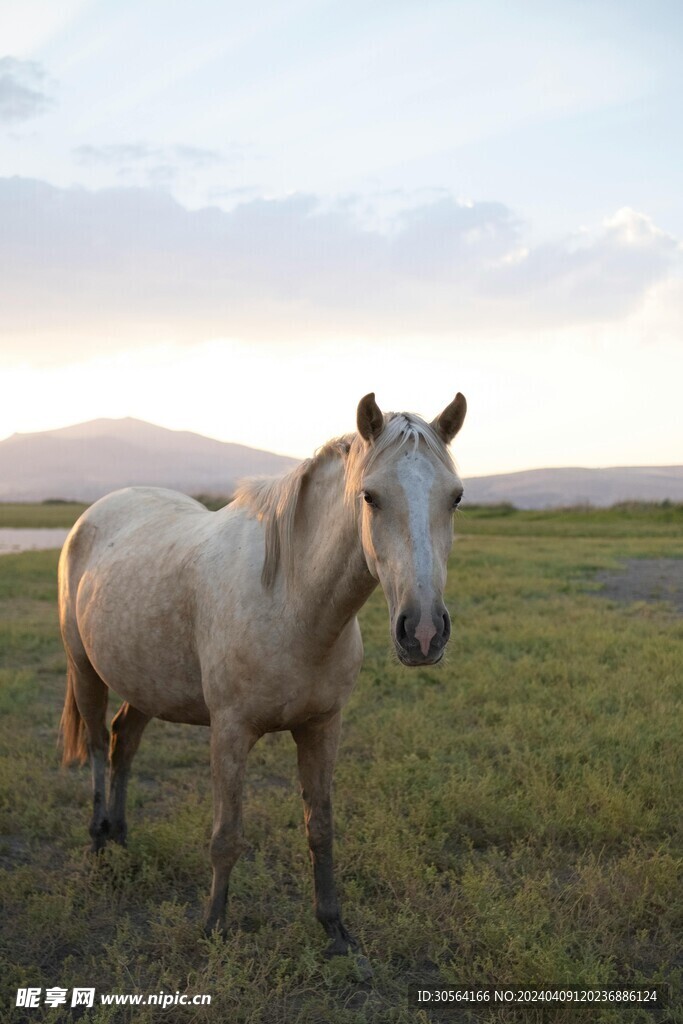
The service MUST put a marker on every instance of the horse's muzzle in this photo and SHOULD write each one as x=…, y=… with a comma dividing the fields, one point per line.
x=420, y=643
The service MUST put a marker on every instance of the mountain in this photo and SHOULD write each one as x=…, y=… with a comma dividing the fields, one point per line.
x=552, y=488
x=87, y=460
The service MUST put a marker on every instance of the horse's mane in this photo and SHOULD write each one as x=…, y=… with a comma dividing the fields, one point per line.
x=274, y=500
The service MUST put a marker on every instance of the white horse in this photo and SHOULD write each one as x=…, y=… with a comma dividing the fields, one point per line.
x=245, y=619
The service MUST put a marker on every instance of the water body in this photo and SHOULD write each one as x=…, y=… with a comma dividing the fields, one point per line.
x=13, y=540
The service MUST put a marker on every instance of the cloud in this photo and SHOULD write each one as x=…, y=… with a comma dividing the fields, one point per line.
x=596, y=275
x=21, y=90
x=83, y=270
x=139, y=163
x=443, y=241
x=123, y=154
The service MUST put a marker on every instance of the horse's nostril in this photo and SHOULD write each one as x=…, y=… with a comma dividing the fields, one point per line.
x=401, y=633
x=446, y=626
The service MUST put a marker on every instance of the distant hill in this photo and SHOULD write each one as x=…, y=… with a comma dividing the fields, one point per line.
x=552, y=488
x=87, y=460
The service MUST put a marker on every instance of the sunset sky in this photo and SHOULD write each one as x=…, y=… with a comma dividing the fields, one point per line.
x=239, y=220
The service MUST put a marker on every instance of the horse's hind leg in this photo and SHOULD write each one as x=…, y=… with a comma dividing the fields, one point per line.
x=127, y=728
x=317, y=744
x=90, y=694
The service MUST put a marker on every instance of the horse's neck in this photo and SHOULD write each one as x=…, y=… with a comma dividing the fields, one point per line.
x=332, y=577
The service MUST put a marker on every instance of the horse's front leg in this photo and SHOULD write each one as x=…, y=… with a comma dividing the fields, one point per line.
x=231, y=741
x=317, y=751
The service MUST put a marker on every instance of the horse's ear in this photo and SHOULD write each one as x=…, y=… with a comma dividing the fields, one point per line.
x=451, y=419
x=369, y=418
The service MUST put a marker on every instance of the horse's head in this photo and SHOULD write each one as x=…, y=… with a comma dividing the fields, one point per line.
x=408, y=489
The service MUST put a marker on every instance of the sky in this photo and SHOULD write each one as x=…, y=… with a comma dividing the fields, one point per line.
x=239, y=221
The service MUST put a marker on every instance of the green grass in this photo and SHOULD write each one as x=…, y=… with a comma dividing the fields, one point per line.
x=47, y=514
x=512, y=817
x=625, y=520
x=58, y=513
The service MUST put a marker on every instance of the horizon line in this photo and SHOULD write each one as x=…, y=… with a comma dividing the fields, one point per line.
x=239, y=444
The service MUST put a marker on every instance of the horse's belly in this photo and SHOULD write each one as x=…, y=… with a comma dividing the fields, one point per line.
x=190, y=710
x=137, y=634
x=168, y=688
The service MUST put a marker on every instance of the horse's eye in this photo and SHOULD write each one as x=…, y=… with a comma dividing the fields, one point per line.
x=369, y=499
x=457, y=500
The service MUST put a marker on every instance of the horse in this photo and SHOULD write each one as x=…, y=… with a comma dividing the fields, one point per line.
x=245, y=620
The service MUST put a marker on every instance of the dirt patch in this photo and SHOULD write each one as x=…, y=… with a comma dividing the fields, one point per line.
x=645, y=579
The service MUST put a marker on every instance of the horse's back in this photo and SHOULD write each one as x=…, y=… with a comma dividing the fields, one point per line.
x=131, y=524
x=131, y=509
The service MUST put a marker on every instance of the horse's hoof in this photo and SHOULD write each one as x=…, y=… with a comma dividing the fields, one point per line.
x=98, y=844
x=342, y=943
x=215, y=928
x=347, y=946
x=99, y=835
x=364, y=967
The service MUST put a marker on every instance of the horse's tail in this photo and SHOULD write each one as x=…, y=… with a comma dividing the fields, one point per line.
x=71, y=726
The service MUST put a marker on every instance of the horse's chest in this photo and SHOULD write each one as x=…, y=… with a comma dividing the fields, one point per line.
x=285, y=689
x=316, y=696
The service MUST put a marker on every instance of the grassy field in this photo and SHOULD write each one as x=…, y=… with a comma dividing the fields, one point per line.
x=511, y=818
x=46, y=514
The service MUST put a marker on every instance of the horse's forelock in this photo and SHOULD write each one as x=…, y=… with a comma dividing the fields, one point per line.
x=400, y=428
x=275, y=500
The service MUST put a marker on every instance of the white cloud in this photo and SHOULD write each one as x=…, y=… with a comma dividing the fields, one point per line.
x=155, y=166
x=128, y=153
x=84, y=271
x=22, y=94
x=593, y=276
